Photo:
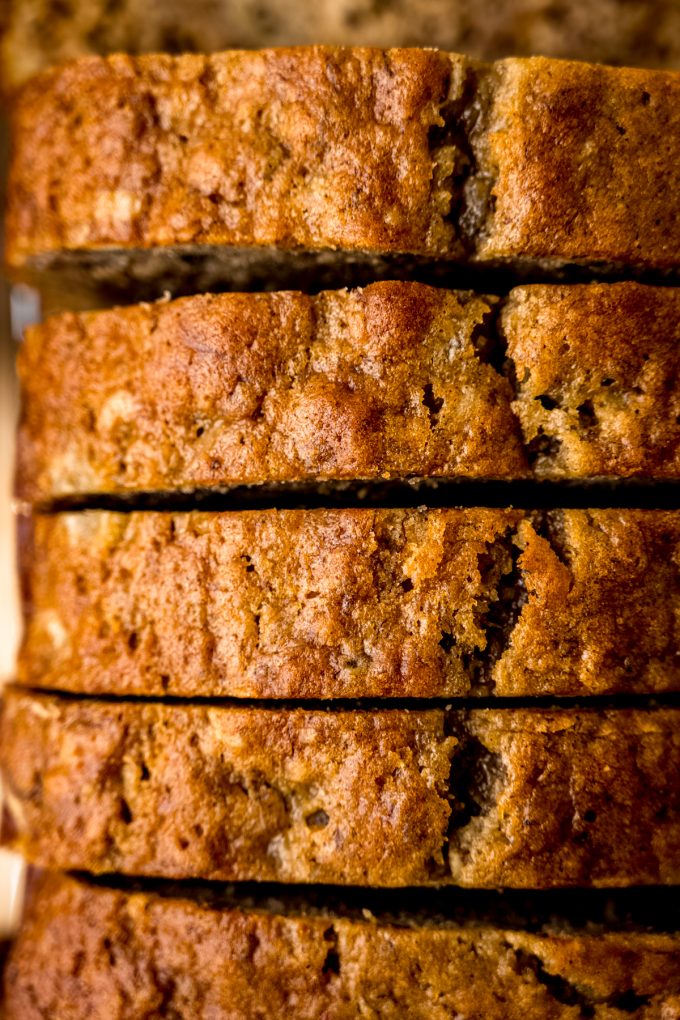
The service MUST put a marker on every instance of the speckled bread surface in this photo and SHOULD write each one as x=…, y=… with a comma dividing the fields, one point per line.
x=97, y=953
x=398, y=380
x=528, y=160
x=524, y=798
x=230, y=389
x=352, y=603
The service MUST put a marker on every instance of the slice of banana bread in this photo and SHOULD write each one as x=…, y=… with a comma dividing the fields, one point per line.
x=321, y=149
x=524, y=798
x=398, y=380
x=352, y=603
x=94, y=952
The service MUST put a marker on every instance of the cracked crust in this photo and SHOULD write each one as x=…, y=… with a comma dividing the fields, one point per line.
x=352, y=603
x=595, y=366
x=307, y=149
x=112, y=953
x=396, y=380
x=523, y=798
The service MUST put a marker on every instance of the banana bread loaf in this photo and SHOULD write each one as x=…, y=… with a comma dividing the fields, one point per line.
x=352, y=603
x=93, y=952
x=376, y=152
x=395, y=380
x=525, y=798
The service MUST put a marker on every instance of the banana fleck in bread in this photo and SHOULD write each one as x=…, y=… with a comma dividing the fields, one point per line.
x=320, y=149
x=352, y=603
x=395, y=380
x=113, y=953
x=526, y=798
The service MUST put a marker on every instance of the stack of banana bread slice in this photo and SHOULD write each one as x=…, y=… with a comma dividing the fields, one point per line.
x=352, y=616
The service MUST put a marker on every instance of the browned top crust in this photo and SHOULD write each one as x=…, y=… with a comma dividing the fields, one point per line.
x=525, y=798
x=395, y=380
x=241, y=388
x=293, y=147
x=366, y=150
x=640, y=33
x=353, y=603
x=111, y=954
x=578, y=155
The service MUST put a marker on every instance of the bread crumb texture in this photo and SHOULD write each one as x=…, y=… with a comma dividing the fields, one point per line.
x=317, y=148
x=112, y=954
x=525, y=798
x=398, y=380
x=352, y=603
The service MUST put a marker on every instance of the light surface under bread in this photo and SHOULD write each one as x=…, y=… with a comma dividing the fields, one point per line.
x=322, y=148
x=398, y=380
x=110, y=954
x=524, y=798
x=352, y=603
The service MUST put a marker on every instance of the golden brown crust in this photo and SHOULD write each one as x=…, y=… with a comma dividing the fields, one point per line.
x=516, y=797
x=640, y=33
x=240, y=388
x=585, y=163
x=323, y=148
x=106, y=954
x=395, y=380
x=292, y=147
x=353, y=603
x=596, y=372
